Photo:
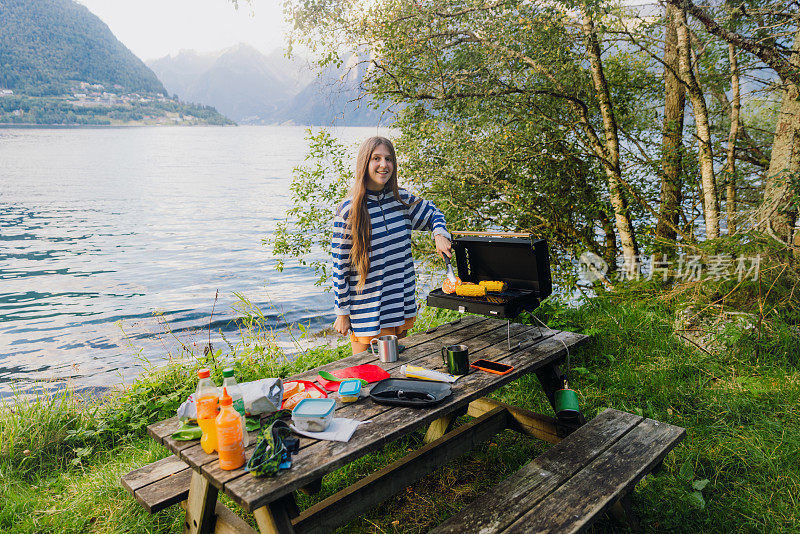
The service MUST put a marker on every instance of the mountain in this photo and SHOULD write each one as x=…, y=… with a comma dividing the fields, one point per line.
x=333, y=98
x=48, y=45
x=240, y=82
x=251, y=87
x=180, y=72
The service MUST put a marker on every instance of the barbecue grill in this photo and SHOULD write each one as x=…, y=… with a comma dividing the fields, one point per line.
x=517, y=259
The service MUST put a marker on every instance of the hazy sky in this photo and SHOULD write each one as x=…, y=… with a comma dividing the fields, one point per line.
x=155, y=28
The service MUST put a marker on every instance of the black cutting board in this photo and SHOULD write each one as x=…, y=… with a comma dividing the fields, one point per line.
x=409, y=392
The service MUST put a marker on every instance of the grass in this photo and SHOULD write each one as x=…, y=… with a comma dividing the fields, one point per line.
x=737, y=471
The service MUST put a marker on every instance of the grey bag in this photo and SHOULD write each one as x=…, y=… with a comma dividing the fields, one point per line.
x=262, y=396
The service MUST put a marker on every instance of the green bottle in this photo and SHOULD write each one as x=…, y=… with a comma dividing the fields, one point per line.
x=229, y=382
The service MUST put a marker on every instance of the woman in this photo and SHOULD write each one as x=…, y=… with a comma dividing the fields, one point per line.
x=373, y=271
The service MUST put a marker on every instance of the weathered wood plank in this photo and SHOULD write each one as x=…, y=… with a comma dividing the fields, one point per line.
x=324, y=457
x=524, y=421
x=152, y=473
x=200, y=505
x=512, y=498
x=162, y=433
x=374, y=489
x=165, y=492
x=158, y=431
x=574, y=505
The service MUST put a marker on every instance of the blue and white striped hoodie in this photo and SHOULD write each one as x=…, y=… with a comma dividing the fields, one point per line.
x=387, y=299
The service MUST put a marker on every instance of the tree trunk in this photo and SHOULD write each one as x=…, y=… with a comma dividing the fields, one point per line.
x=672, y=139
x=730, y=165
x=776, y=215
x=627, y=237
x=609, y=241
x=705, y=156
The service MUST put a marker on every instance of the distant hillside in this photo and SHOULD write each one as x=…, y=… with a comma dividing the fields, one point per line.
x=332, y=98
x=254, y=88
x=47, y=45
x=180, y=72
x=241, y=82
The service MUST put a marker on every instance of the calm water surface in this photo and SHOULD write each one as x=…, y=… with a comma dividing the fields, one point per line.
x=105, y=234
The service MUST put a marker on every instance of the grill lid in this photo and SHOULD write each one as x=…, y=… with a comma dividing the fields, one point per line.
x=522, y=262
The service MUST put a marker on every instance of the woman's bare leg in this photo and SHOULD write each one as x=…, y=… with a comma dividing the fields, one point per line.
x=358, y=347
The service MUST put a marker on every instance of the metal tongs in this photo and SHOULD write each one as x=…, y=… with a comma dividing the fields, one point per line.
x=450, y=274
x=406, y=395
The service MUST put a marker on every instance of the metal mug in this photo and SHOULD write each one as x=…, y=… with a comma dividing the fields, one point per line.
x=387, y=348
x=456, y=358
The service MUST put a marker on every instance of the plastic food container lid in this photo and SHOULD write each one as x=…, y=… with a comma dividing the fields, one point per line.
x=314, y=407
x=350, y=388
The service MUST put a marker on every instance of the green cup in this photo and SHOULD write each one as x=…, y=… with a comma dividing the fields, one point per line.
x=566, y=404
x=456, y=359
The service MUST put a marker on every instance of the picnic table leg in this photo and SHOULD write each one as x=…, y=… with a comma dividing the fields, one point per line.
x=442, y=426
x=276, y=517
x=200, y=506
x=622, y=510
x=438, y=428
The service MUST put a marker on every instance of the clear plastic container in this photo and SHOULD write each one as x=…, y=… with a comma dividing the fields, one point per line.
x=349, y=390
x=313, y=415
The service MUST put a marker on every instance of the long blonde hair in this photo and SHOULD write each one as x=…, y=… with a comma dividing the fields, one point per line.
x=358, y=219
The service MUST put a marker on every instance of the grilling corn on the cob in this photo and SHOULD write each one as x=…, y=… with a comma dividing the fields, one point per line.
x=470, y=290
x=494, y=286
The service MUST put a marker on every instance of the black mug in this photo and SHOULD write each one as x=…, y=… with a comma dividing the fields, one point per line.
x=456, y=359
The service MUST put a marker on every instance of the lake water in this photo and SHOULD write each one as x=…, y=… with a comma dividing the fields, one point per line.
x=108, y=235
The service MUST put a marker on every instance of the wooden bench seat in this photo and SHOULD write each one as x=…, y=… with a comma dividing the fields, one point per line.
x=160, y=484
x=575, y=481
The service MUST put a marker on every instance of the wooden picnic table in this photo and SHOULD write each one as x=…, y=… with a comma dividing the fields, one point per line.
x=529, y=349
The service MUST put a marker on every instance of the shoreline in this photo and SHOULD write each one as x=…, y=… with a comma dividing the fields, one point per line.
x=32, y=126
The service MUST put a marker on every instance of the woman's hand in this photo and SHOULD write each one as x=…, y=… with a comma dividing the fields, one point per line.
x=443, y=245
x=342, y=324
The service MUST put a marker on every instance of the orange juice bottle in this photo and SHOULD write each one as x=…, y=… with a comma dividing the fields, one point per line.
x=230, y=434
x=206, y=399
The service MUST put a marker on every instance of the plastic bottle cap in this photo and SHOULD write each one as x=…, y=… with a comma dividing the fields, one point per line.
x=227, y=373
x=203, y=373
x=226, y=399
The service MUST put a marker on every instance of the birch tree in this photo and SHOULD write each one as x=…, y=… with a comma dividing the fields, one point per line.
x=730, y=161
x=697, y=98
x=672, y=138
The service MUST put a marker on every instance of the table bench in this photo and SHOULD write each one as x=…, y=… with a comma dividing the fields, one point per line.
x=591, y=471
x=589, y=468
x=572, y=483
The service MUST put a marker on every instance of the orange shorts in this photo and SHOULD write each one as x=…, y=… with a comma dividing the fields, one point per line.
x=392, y=331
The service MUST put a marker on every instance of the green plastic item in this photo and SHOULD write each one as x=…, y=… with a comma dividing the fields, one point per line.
x=333, y=378
x=187, y=432
x=251, y=423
